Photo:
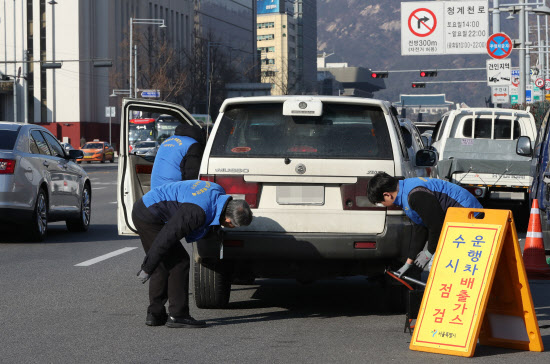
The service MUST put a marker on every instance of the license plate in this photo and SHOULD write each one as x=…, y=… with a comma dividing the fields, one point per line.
x=86, y=156
x=301, y=195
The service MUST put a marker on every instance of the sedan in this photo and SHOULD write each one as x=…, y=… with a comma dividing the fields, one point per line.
x=97, y=151
x=39, y=182
x=147, y=148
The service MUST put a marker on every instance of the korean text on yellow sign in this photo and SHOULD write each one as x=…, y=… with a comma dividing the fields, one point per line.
x=457, y=283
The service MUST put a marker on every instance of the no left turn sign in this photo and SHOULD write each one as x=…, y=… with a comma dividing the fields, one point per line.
x=422, y=22
x=539, y=82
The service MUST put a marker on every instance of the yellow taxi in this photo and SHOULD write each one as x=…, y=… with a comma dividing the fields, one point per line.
x=97, y=151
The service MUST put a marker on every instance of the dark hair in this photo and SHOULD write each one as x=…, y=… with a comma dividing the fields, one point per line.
x=238, y=212
x=380, y=183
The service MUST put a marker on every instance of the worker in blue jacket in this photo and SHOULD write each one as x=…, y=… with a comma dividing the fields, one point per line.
x=179, y=157
x=425, y=201
x=164, y=216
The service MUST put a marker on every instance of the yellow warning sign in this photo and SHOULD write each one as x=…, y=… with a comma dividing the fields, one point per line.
x=463, y=300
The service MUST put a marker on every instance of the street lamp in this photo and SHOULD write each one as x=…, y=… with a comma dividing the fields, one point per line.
x=54, y=116
x=119, y=92
x=160, y=23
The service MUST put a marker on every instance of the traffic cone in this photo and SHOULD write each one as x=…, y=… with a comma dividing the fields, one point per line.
x=534, y=256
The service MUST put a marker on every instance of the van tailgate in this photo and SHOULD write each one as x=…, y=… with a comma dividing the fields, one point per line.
x=305, y=195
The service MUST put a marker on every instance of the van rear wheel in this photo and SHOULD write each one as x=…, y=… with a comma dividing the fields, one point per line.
x=212, y=284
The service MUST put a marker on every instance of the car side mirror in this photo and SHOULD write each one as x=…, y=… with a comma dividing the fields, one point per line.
x=426, y=158
x=523, y=146
x=76, y=154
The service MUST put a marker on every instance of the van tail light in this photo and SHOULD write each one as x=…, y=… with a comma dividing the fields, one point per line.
x=7, y=166
x=354, y=196
x=237, y=187
x=144, y=168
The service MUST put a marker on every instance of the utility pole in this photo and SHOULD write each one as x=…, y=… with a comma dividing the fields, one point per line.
x=26, y=88
x=522, y=77
x=14, y=68
x=24, y=81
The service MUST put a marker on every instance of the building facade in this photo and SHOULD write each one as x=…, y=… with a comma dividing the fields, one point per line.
x=71, y=100
x=306, y=47
x=276, y=41
x=287, y=39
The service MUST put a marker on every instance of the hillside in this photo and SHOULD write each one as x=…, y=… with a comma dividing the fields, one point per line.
x=367, y=33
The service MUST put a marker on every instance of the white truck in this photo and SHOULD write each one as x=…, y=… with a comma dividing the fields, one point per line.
x=486, y=151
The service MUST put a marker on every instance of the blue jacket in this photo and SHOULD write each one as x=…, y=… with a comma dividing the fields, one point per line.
x=165, y=201
x=448, y=195
x=188, y=209
x=167, y=166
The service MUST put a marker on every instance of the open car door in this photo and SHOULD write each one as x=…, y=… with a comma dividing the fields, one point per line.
x=134, y=171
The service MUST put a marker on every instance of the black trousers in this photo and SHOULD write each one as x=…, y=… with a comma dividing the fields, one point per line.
x=170, y=281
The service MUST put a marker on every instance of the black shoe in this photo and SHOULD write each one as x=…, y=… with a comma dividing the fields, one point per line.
x=184, y=322
x=155, y=320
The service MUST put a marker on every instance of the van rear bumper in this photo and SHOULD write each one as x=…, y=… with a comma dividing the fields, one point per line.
x=393, y=243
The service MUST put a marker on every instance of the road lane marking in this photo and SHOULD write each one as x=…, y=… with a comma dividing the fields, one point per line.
x=104, y=257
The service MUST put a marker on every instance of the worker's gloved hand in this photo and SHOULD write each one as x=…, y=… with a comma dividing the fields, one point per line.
x=143, y=277
x=422, y=259
x=403, y=269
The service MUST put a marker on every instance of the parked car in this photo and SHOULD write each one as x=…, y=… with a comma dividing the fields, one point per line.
x=145, y=148
x=39, y=182
x=303, y=164
x=67, y=147
x=540, y=170
x=414, y=143
x=97, y=151
x=479, y=149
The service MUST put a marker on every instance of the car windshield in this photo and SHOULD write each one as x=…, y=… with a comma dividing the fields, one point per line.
x=343, y=131
x=7, y=139
x=93, y=146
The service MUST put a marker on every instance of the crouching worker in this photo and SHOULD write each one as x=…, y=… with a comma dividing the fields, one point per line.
x=425, y=202
x=164, y=216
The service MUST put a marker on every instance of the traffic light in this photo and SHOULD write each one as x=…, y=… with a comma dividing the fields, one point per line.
x=418, y=85
x=428, y=73
x=379, y=75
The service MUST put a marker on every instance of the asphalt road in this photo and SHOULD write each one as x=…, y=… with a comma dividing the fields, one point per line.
x=53, y=311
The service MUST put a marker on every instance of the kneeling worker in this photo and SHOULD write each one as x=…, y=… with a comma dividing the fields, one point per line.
x=165, y=215
x=425, y=201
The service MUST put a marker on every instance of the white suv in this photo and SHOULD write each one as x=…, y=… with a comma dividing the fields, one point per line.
x=303, y=164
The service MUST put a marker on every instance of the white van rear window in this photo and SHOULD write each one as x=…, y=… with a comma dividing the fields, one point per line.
x=343, y=131
x=485, y=129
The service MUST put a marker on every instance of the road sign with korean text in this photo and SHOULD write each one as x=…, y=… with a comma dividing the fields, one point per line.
x=150, y=93
x=500, y=95
x=110, y=111
x=499, y=46
x=444, y=27
x=499, y=72
x=477, y=288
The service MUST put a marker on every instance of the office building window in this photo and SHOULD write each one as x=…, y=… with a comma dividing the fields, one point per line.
x=268, y=61
x=266, y=49
x=266, y=25
x=268, y=73
x=266, y=37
